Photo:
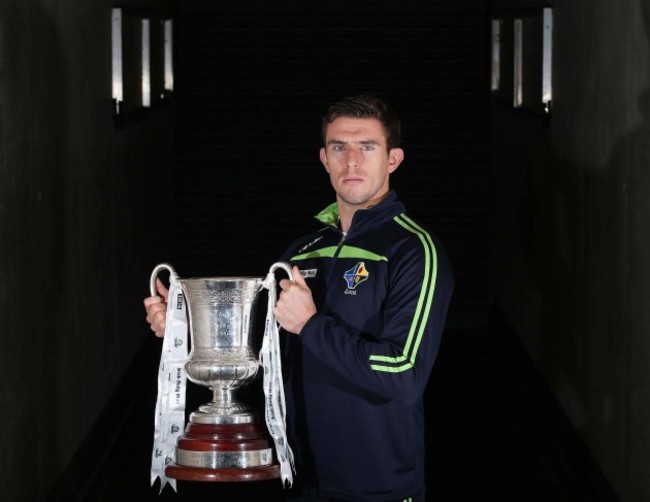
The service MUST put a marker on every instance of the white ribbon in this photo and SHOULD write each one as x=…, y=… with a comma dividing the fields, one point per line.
x=170, y=404
x=274, y=409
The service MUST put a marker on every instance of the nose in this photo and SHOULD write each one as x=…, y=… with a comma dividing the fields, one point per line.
x=353, y=158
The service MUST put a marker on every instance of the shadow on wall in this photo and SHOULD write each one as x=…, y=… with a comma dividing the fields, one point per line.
x=583, y=233
x=33, y=138
x=627, y=408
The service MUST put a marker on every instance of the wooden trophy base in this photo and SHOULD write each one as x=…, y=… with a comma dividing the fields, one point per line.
x=223, y=453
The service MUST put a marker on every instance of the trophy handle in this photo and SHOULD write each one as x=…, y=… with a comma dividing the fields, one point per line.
x=284, y=266
x=154, y=276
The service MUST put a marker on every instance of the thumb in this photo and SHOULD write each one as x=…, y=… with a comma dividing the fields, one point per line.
x=297, y=276
x=164, y=292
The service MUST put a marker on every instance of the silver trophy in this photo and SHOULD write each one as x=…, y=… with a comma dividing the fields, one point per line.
x=223, y=440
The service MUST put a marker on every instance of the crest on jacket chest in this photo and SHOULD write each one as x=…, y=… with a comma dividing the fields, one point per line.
x=355, y=276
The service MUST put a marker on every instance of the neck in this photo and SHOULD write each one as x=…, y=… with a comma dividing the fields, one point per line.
x=346, y=211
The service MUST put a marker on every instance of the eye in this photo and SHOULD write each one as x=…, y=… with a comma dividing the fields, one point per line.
x=367, y=147
x=338, y=148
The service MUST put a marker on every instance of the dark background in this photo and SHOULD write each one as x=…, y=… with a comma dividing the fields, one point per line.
x=250, y=94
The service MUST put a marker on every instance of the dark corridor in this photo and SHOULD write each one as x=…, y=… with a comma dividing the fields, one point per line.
x=250, y=91
x=494, y=432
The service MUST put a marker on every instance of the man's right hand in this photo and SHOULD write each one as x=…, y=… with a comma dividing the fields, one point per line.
x=156, y=307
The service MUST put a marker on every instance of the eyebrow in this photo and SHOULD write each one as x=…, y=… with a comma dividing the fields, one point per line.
x=362, y=142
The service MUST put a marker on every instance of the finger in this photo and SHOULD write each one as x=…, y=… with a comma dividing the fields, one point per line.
x=157, y=308
x=285, y=284
x=161, y=324
x=164, y=292
x=152, y=300
x=157, y=320
x=158, y=329
x=156, y=312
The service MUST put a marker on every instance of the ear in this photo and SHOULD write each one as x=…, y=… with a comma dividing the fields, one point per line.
x=395, y=158
x=323, y=159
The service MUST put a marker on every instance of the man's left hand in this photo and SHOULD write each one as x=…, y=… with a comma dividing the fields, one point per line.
x=295, y=306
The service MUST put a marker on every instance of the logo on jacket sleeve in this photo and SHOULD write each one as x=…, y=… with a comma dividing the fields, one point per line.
x=309, y=273
x=356, y=275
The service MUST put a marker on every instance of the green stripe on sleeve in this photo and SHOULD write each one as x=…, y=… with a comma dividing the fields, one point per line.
x=416, y=330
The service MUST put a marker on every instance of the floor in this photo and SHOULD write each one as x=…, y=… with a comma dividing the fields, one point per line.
x=494, y=433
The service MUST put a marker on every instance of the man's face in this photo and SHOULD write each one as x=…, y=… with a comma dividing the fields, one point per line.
x=356, y=158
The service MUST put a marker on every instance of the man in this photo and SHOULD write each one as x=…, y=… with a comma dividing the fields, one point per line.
x=363, y=318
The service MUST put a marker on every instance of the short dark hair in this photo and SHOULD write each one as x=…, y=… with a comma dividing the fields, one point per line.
x=366, y=106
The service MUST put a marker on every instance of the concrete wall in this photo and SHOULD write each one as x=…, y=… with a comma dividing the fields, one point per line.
x=75, y=242
x=571, y=256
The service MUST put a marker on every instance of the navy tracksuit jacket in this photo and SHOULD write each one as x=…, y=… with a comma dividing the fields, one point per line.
x=356, y=375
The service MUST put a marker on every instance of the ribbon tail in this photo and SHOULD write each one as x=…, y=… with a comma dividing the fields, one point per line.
x=164, y=480
x=170, y=402
x=275, y=413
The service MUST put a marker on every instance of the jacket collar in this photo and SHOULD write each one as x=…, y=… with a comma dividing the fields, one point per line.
x=364, y=219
